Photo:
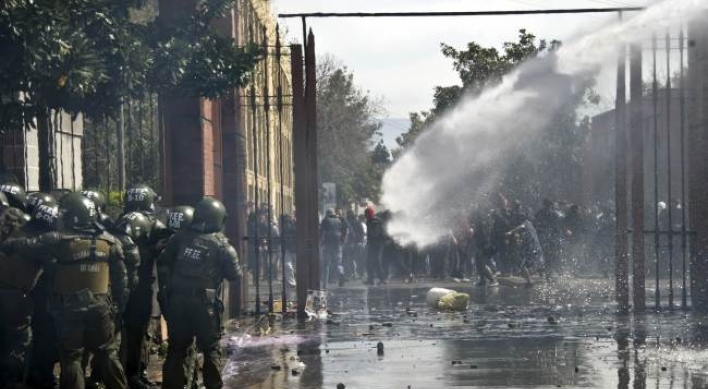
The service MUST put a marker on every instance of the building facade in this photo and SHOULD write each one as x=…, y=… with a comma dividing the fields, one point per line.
x=273, y=129
x=234, y=148
x=660, y=173
x=20, y=153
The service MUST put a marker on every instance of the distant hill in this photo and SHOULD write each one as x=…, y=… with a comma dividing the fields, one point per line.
x=392, y=128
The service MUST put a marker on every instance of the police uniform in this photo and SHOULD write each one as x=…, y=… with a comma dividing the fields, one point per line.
x=45, y=346
x=17, y=279
x=178, y=218
x=141, y=199
x=89, y=278
x=132, y=261
x=197, y=263
x=139, y=308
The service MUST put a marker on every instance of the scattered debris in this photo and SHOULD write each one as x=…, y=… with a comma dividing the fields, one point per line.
x=447, y=300
x=316, y=304
x=298, y=369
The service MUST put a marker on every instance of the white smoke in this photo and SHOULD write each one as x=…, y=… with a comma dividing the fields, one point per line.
x=462, y=156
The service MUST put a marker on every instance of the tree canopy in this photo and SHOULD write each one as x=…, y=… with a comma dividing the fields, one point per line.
x=348, y=154
x=84, y=56
x=560, y=144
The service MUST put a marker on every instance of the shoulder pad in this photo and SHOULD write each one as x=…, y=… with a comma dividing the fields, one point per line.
x=157, y=225
x=125, y=240
x=228, y=249
x=108, y=237
x=221, y=238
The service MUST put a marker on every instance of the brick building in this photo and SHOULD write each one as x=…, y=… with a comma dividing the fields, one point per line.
x=230, y=148
x=209, y=144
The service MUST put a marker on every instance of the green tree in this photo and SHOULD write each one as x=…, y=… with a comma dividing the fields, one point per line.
x=86, y=56
x=346, y=132
x=478, y=68
x=419, y=120
x=560, y=144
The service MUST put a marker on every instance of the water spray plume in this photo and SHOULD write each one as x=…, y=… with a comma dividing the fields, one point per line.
x=461, y=158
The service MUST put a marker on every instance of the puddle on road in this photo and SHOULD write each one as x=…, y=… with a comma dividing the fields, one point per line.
x=545, y=338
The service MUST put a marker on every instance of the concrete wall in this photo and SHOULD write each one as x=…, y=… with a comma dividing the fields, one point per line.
x=21, y=154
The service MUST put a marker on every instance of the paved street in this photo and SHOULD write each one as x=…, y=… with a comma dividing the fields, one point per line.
x=559, y=335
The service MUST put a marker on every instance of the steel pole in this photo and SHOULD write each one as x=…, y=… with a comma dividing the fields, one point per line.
x=669, y=164
x=637, y=139
x=655, y=107
x=256, y=241
x=278, y=60
x=682, y=108
x=266, y=109
x=621, y=263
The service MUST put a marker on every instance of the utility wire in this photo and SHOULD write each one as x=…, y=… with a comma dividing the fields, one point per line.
x=460, y=13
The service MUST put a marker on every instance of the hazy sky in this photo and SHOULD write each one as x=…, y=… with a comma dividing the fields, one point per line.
x=399, y=59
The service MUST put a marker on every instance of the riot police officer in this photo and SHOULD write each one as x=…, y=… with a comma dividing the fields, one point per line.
x=178, y=218
x=88, y=288
x=15, y=194
x=17, y=279
x=199, y=259
x=141, y=199
x=130, y=228
x=45, y=347
x=35, y=199
x=100, y=201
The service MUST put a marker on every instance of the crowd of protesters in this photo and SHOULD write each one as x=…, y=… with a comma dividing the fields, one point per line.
x=502, y=238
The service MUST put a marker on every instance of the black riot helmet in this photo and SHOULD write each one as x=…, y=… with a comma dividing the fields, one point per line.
x=179, y=218
x=135, y=225
x=140, y=198
x=77, y=212
x=15, y=195
x=209, y=216
x=46, y=216
x=35, y=199
x=97, y=198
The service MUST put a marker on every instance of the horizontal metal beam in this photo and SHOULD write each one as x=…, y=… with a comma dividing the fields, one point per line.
x=458, y=13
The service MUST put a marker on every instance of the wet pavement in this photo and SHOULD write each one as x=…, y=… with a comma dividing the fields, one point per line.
x=563, y=334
